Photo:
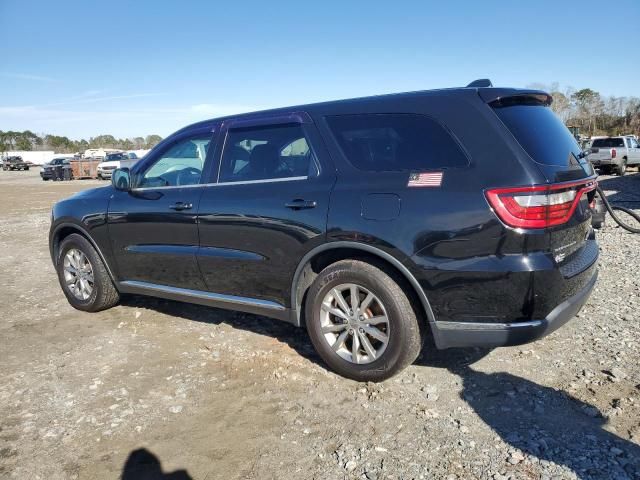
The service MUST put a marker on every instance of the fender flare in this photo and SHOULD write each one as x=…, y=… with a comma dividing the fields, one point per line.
x=295, y=307
x=82, y=231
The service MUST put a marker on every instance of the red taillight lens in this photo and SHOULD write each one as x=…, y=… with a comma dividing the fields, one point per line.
x=613, y=153
x=537, y=206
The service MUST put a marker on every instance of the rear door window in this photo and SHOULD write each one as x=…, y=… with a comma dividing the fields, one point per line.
x=540, y=132
x=266, y=153
x=395, y=142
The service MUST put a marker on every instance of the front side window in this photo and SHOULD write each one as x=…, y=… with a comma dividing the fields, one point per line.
x=266, y=153
x=395, y=142
x=180, y=165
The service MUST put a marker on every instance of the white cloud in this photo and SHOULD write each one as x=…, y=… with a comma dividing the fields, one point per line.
x=218, y=110
x=27, y=76
x=83, y=122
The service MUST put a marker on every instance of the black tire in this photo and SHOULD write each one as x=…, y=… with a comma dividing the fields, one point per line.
x=405, y=334
x=622, y=168
x=104, y=294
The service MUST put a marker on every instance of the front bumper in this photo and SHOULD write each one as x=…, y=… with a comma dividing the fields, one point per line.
x=104, y=173
x=475, y=334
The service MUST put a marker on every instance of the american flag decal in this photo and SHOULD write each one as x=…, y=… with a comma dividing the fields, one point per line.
x=425, y=179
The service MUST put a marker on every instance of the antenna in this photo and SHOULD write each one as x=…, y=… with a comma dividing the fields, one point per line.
x=482, y=82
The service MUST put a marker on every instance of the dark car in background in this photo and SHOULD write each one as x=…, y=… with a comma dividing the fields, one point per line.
x=463, y=214
x=57, y=169
x=14, y=163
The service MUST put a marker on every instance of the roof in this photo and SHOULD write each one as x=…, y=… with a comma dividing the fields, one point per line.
x=487, y=94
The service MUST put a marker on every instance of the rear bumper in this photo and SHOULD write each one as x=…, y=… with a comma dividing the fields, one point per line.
x=475, y=334
x=604, y=161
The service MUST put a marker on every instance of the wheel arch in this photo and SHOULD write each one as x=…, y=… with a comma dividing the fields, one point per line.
x=62, y=231
x=329, y=253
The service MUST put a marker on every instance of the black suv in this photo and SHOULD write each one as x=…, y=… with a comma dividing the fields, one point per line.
x=462, y=213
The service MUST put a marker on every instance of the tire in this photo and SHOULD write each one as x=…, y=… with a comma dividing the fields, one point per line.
x=402, y=329
x=622, y=168
x=103, y=293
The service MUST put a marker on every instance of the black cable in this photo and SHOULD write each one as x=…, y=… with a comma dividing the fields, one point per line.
x=611, y=208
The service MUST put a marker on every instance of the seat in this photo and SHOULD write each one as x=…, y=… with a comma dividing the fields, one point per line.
x=263, y=162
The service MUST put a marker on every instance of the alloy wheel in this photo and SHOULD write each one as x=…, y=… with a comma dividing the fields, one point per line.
x=355, y=324
x=78, y=274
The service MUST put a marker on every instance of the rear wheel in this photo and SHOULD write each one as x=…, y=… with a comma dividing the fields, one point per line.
x=622, y=168
x=361, y=322
x=83, y=276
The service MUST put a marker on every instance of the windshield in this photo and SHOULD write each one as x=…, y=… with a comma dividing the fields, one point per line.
x=608, y=142
x=540, y=132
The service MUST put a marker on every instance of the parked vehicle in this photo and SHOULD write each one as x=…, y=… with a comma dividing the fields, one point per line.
x=57, y=169
x=111, y=162
x=614, y=154
x=461, y=213
x=14, y=163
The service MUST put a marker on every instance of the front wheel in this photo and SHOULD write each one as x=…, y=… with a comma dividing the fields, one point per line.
x=361, y=322
x=83, y=276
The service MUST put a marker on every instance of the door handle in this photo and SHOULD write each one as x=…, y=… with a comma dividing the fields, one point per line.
x=300, y=204
x=181, y=206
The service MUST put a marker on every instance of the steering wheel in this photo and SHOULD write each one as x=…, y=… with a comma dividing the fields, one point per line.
x=188, y=176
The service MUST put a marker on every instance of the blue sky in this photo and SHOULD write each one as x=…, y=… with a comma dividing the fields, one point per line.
x=129, y=68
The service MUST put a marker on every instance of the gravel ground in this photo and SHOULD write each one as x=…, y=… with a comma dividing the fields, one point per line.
x=191, y=392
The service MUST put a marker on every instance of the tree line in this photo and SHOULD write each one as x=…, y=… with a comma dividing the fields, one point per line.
x=593, y=113
x=27, y=140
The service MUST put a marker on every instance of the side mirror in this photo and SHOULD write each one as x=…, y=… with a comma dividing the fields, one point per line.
x=121, y=179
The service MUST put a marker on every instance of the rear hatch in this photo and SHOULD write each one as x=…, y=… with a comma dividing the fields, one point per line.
x=562, y=205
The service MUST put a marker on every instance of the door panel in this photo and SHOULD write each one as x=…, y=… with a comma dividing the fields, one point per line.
x=251, y=243
x=151, y=241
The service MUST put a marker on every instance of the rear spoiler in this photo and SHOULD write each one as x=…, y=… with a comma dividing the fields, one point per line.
x=503, y=97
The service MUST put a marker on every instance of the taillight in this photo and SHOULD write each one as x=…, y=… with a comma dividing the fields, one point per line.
x=537, y=206
x=613, y=153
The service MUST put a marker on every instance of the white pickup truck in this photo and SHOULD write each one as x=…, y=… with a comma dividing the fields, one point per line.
x=614, y=154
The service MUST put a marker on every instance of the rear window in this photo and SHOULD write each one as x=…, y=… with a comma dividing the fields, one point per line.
x=608, y=142
x=396, y=142
x=540, y=132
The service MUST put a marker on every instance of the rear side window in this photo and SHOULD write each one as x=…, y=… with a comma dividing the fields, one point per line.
x=395, y=142
x=540, y=132
x=266, y=153
x=608, y=143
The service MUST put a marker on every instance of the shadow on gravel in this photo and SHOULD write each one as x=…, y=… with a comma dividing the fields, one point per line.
x=144, y=465
x=541, y=421
x=296, y=338
x=627, y=189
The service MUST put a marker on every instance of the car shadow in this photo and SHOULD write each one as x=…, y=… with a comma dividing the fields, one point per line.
x=296, y=338
x=626, y=189
x=144, y=465
x=539, y=421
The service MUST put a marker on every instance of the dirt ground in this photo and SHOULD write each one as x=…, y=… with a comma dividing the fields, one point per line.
x=154, y=387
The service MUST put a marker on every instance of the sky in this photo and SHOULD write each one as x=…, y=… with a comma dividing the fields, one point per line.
x=134, y=68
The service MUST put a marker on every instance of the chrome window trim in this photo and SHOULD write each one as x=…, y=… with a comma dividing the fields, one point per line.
x=243, y=182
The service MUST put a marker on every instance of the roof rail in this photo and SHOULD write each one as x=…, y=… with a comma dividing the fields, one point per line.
x=481, y=82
